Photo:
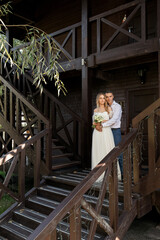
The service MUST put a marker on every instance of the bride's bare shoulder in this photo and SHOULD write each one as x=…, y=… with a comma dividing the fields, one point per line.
x=96, y=110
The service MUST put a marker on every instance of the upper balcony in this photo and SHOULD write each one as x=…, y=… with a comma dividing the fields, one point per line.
x=126, y=31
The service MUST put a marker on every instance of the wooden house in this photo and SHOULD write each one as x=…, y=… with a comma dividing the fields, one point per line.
x=104, y=45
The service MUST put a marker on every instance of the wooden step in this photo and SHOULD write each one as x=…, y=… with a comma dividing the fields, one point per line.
x=65, y=165
x=58, y=147
x=14, y=230
x=51, y=192
x=28, y=217
x=55, y=140
x=40, y=204
x=63, y=229
x=63, y=155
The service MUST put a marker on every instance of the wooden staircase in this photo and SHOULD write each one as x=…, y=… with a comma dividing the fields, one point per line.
x=40, y=110
x=30, y=214
x=72, y=205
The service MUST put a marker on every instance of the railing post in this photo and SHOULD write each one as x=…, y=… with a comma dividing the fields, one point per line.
x=53, y=119
x=136, y=160
x=127, y=179
x=151, y=145
x=75, y=138
x=74, y=43
x=21, y=174
x=98, y=35
x=48, y=149
x=143, y=20
x=113, y=197
x=5, y=103
x=75, y=223
x=52, y=235
x=37, y=164
x=18, y=115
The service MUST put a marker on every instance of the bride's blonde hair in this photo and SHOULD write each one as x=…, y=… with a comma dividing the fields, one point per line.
x=97, y=101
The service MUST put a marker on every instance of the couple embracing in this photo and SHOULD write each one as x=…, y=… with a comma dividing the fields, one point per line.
x=107, y=132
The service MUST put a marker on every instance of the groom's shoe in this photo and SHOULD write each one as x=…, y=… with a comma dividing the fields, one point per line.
x=122, y=177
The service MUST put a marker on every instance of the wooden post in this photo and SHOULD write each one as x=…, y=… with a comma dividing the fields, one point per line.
x=86, y=89
x=37, y=164
x=48, y=149
x=113, y=197
x=75, y=137
x=136, y=161
x=52, y=236
x=75, y=223
x=158, y=35
x=9, y=39
x=21, y=174
x=151, y=145
x=143, y=21
x=127, y=177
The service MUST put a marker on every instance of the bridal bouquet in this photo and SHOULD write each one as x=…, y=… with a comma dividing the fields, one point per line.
x=97, y=119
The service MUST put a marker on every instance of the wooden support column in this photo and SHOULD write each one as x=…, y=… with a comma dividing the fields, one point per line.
x=9, y=38
x=158, y=35
x=86, y=90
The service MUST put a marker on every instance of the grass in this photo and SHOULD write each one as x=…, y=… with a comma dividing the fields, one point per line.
x=5, y=203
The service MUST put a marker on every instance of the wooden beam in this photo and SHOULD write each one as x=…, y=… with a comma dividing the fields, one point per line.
x=128, y=51
x=100, y=220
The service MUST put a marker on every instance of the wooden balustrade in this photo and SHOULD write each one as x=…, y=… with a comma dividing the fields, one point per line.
x=18, y=155
x=21, y=119
x=146, y=124
x=61, y=117
x=69, y=37
x=75, y=199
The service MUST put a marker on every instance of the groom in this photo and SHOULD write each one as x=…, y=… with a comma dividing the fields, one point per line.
x=114, y=123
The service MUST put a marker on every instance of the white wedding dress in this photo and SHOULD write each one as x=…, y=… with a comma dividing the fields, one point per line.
x=102, y=144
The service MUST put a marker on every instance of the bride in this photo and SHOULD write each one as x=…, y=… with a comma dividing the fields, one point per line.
x=102, y=141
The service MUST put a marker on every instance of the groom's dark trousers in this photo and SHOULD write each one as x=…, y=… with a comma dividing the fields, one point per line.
x=117, y=138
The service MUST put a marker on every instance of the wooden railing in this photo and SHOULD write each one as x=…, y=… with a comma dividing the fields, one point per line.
x=66, y=125
x=16, y=158
x=147, y=162
x=20, y=118
x=76, y=199
x=130, y=22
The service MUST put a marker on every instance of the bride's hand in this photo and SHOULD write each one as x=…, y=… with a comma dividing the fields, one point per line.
x=109, y=109
x=104, y=121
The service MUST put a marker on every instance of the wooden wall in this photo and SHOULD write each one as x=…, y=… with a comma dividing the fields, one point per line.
x=123, y=82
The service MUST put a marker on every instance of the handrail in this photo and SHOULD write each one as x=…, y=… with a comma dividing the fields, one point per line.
x=52, y=112
x=145, y=182
x=75, y=198
x=20, y=109
x=20, y=153
x=24, y=100
x=145, y=113
x=8, y=156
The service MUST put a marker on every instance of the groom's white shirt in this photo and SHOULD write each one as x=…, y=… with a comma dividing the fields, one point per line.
x=115, y=121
